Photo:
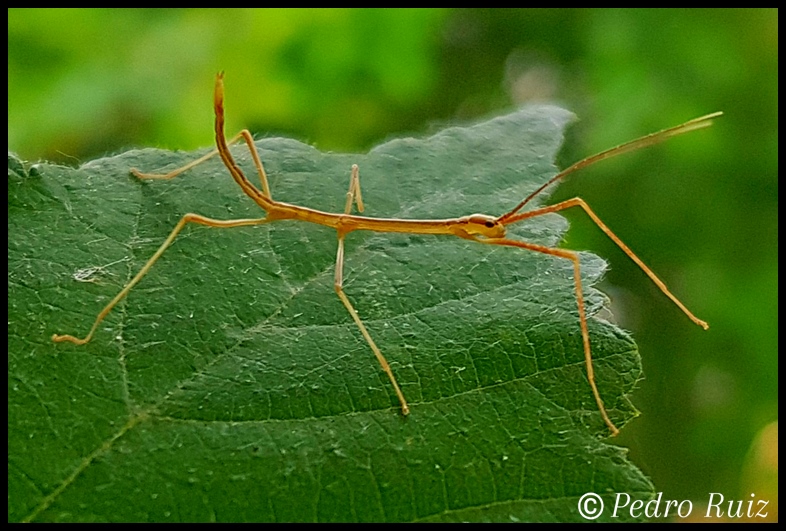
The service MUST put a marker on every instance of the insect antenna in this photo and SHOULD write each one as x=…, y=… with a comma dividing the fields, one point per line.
x=653, y=138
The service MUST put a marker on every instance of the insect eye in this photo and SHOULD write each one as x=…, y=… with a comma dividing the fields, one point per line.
x=489, y=224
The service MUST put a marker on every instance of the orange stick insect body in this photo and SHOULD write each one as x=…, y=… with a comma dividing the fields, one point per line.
x=481, y=228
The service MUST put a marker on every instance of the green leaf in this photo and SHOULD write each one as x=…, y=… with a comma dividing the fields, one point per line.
x=232, y=385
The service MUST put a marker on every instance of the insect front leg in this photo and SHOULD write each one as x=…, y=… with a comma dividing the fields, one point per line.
x=579, y=202
x=573, y=257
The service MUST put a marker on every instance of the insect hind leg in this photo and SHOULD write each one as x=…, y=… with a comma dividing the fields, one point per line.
x=245, y=134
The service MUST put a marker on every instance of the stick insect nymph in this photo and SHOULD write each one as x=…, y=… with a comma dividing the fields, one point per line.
x=481, y=228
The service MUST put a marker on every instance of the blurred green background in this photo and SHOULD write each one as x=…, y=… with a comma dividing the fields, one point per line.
x=701, y=210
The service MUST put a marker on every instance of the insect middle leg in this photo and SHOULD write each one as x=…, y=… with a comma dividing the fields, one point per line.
x=353, y=195
x=354, y=191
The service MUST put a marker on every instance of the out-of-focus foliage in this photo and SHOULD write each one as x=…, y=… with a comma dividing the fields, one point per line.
x=87, y=82
x=700, y=210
